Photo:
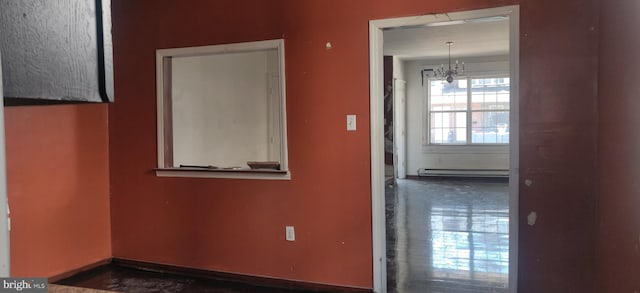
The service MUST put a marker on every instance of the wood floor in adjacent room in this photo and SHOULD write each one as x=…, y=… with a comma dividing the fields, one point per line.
x=448, y=235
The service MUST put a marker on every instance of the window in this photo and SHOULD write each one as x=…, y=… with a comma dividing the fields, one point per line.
x=221, y=111
x=469, y=111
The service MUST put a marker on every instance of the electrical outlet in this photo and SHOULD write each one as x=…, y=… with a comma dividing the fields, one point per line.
x=290, y=233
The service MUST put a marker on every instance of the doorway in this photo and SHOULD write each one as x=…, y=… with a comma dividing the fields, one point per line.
x=378, y=146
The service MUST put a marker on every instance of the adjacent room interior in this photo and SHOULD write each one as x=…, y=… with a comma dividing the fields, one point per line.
x=447, y=110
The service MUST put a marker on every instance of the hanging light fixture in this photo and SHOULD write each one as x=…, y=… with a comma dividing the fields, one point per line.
x=449, y=73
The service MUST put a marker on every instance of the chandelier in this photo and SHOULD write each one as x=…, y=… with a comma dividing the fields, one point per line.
x=449, y=73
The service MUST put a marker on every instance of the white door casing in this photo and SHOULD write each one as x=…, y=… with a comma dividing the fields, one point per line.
x=4, y=204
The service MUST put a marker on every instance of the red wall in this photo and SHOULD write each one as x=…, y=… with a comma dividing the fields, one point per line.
x=619, y=149
x=238, y=226
x=58, y=187
x=233, y=225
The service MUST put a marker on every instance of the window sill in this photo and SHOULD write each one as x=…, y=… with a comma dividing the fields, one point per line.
x=256, y=174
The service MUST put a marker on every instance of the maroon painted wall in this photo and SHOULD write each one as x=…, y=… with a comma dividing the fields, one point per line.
x=618, y=250
x=238, y=226
x=558, y=145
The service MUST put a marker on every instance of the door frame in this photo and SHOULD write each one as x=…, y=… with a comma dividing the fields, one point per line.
x=399, y=130
x=4, y=203
x=376, y=69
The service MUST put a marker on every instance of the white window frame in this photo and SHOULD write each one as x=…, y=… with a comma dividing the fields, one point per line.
x=469, y=112
x=164, y=126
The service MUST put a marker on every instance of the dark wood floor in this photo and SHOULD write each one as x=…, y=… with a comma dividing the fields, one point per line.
x=448, y=235
x=113, y=277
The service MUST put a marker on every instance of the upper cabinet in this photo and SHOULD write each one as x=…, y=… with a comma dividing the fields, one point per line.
x=57, y=50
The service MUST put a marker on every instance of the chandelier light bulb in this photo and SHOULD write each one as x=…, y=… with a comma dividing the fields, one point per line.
x=449, y=78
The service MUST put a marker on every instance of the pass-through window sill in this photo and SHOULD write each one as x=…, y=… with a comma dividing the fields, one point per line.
x=256, y=174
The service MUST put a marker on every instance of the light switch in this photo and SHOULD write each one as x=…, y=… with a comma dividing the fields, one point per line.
x=351, y=122
x=290, y=233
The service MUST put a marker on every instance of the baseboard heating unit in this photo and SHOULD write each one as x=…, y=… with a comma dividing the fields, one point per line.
x=424, y=172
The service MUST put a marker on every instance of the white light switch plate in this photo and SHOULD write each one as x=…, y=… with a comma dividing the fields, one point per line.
x=351, y=122
x=290, y=233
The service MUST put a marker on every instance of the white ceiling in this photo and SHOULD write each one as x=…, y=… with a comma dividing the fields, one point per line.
x=477, y=38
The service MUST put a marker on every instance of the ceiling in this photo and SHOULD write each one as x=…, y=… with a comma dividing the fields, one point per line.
x=474, y=38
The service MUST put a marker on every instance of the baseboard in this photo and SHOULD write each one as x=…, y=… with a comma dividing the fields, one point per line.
x=238, y=278
x=474, y=178
x=424, y=172
x=81, y=269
